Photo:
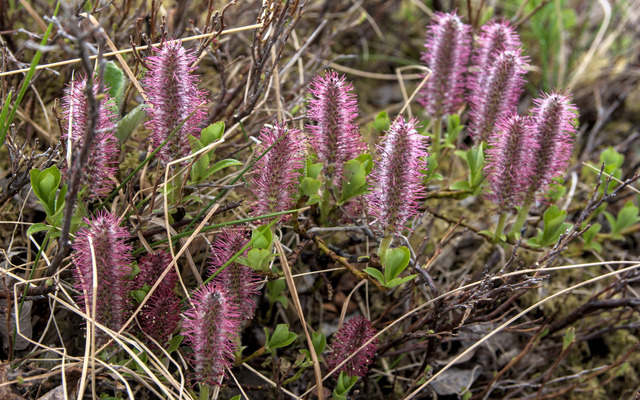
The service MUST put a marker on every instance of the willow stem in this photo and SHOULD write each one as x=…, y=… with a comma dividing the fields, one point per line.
x=499, y=227
x=523, y=212
x=437, y=134
x=385, y=243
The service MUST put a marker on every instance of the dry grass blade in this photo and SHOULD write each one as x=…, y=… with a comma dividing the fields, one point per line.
x=296, y=303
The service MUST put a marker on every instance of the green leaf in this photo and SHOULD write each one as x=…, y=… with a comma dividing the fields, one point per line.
x=314, y=199
x=461, y=185
x=557, y=191
x=116, y=81
x=343, y=386
x=319, y=341
x=199, y=168
x=5, y=110
x=453, y=130
x=591, y=234
x=139, y=295
x=193, y=198
x=395, y=261
x=399, y=281
x=135, y=270
x=623, y=369
x=612, y=160
x=475, y=160
x=376, y=274
x=35, y=228
x=310, y=186
x=382, y=121
x=355, y=184
x=432, y=167
x=237, y=397
x=367, y=161
x=129, y=122
x=569, y=337
x=262, y=237
x=274, y=290
x=627, y=217
x=45, y=186
x=174, y=343
x=212, y=133
x=281, y=337
x=256, y=258
x=60, y=200
x=554, y=226
x=313, y=170
x=220, y=165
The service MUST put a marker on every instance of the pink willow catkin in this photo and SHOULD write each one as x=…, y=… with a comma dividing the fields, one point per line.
x=510, y=161
x=447, y=46
x=97, y=173
x=211, y=327
x=495, y=37
x=174, y=95
x=112, y=253
x=353, y=334
x=496, y=93
x=276, y=175
x=239, y=281
x=397, y=175
x=160, y=315
x=333, y=109
x=553, y=131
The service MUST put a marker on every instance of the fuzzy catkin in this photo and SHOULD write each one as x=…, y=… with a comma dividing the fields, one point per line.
x=276, y=173
x=211, y=328
x=495, y=37
x=109, y=244
x=174, y=96
x=397, y=175
x=239, y=281
x=97, y=173
x=335, y=137
x=160, y=315
x=553, y=130
x=353, y=334
x=448, y=46
x=497, y=93
x=510, y=161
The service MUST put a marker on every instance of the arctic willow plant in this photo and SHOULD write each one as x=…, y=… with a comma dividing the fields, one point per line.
x=211, y=327
x=448, y=46
x=510, y=163
x=396, y=191
x=496, y=93
x=397, y=175
x=333, y=109
x=276, y=173
x=160, y=315
x=98, y=173
x=174, y=98
x=527, y=153
x=553, y=130
x=495, y=37
x=239, y=281
x=353, y=334
x=105, y=244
